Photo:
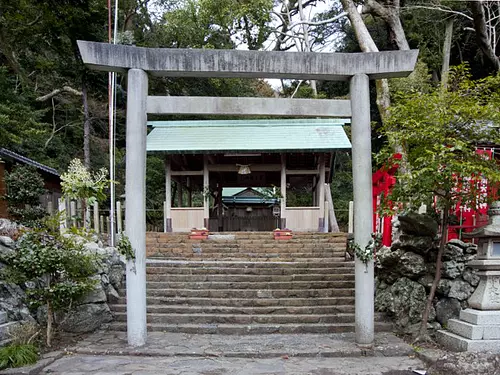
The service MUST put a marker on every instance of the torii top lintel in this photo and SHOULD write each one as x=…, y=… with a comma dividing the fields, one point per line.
x=177, y=62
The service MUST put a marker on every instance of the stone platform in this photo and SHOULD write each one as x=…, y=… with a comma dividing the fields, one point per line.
x=253, y=346
x=475, y=331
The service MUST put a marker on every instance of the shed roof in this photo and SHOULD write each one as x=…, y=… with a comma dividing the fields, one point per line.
x=23, y=159
x=216, y=136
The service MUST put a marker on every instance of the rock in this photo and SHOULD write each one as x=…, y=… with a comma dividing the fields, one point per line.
x=411, y=265
x=447, y=308
x=7, y=241
x=461, y=244
x=13, y=301
x=86, y=318
x=452, y=269
x=453, y=252
x=92, y=247
x=460, y=290
x=426, y=281
x=470, y=276
x=112, y=294
x=5, y=252
x=7, y=226
x=417, y=244
x=404, y=300
x=466, y=363
x=96, y=295
x=444, y=287
x=418, y=224
x=116, y=276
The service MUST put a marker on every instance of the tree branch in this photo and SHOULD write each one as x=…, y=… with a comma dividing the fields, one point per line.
x=67, y=89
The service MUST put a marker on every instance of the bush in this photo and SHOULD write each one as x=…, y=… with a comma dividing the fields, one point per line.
x=24, y=187
x=18, y=355
x=56, y=268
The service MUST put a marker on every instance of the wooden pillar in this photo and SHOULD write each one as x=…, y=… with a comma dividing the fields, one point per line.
x=190, y=193
x=179, y=191
x=119, y=226
x=167, y=214
x=283, y=191
x=315, y=192
x=220, y=209
x=206, y=192
x=321, y=193
x=96, y=217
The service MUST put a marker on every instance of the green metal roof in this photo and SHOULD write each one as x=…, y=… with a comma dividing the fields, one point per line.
x=215, y=136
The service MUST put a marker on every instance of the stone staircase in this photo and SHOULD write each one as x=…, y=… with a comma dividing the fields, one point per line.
x=248, y=283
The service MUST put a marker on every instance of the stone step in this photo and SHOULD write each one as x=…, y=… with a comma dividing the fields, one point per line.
x=245, y=302
x=249, y=329
x=268, y=285
x=249, y=293
x=206, y=318
x=201, y=258
x=3, y=317
x=5, y=328
x=243, y=271
x=259, y=310
x=248, y=278
x=250, y=264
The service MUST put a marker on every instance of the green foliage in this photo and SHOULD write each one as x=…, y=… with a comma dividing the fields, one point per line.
x=365, y=255
x=24, y=188
x=55, y=267
x=439, y=132
x=79, y=183
x=18, y=355
x=125, y=247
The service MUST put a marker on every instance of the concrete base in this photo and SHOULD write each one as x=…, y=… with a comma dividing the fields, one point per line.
x=461, y=344
x=475, y=331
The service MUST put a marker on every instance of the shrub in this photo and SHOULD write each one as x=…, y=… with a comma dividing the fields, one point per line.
x=24, y=187
x=18, y=355
x=56, y=268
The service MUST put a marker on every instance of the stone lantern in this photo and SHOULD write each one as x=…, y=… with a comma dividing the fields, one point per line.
x=478, y=328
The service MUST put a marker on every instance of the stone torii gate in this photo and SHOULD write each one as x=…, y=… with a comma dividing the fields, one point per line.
x=137, y=62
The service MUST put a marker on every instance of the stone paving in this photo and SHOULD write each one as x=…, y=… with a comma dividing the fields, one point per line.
x=248, y=346
x=128, y=365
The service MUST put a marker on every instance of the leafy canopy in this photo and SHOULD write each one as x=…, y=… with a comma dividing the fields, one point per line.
x=79, y=183
x=439, y=131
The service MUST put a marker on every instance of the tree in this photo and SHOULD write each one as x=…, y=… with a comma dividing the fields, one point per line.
x=24, y=188
x=79, y=183
x=440, y=131
x=55, y=269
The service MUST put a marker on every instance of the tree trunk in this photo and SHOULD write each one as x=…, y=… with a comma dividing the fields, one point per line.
x=482, y=34
x=437, y=276
x=50, y=317
x=446, y=54
x=86, y=127
x=307, y=43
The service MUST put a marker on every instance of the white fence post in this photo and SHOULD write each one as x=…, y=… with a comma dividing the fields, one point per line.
x=96, y=217
x=62, y=212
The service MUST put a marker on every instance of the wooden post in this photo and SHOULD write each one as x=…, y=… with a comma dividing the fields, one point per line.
x=220, y=221
x=96, y=217
x=179, y=191
x=62, y=212
x=321, y=193
x=283, y=191
x=119, y=226
x=190, y=193
x=350, y=227
x=50, y=207
x=167, y=207
x=101, y=223
x=206, y=192
x=108, y=229
x=315, y=192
